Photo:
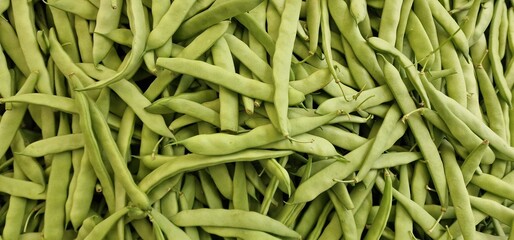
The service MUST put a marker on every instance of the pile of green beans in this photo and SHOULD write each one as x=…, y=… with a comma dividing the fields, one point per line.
x=256, y=119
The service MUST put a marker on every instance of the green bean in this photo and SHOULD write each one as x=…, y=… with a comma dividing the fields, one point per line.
x=186, y=201
x=65, y=63
x=313, y=18
x=57, y=190
x=249, y=104
x=240, y=233
x=346, y=220
x=139, y=28
x=12, y=119
x=477, y=126
x=456, y=83
x=510, y=42
x=250, y=59
x=289, y=213
x=222, y=143
x=122, y=36
x=327, y=177
x=84, y=40
x=257, y=31
x=143, y=228
x=65, y=32
x=63, y=104
x=160, y=106
x=492, y=208
x=82, y=8
x=454, y=230
x=182, y=121
x=76, y=156
x=116, y=159
x=216, y=75
x=491, y=102
x=362, y=100
x=431, y=227
x=168, y=24
x=361, y=214
x=503, y=32
x=101, y=229
x=229, y=110
x=272, y=21
x=107, y=19
x=339, y=137
x=458, y=192
x=389, y=21
x=497, y=67
x=420, y=131
x=16, y=209
x=344, y=120
x=171, y=168
x=419, y=41
x=169, y=204
x=393, y=116
x=333, y=229
x=4, y=6
x=194, y=109
x=348, y=27
x=402, y=220
x=6, y=82
x=365, y=80
x=27, y=37
x=493, y=184
x=424, y=13
x=432, y=209
x=313, y=82
x=308, y=220
x=199, y=6
x=282, y=64
x=91, y=146
x=472, y=161
x=213, y=15
x=29, y=166
x=240, y=193
x=317, y=146
x=468, y=26
x=254, y=42
x=451, y=27
x=378, y=226
x=271, y=189
x=383, y=46
x=170, y=230
x=83, y=192
x=123, y=140
x=163, y=188
x=253, y=177
x=88, y=225
x=276, y=170
x=11, y=45
x=322, y=218
x=365, y=26
x=222, y=180
x=404, y=13
x=326, y=39
x=157, y=232
x=358, y=9
x=392, y=159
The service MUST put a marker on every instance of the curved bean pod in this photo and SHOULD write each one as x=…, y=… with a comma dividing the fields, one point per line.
x=213, y=15
x=232, y=218
x=214, y=74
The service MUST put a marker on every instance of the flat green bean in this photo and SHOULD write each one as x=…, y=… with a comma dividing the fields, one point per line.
x=168, y=24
